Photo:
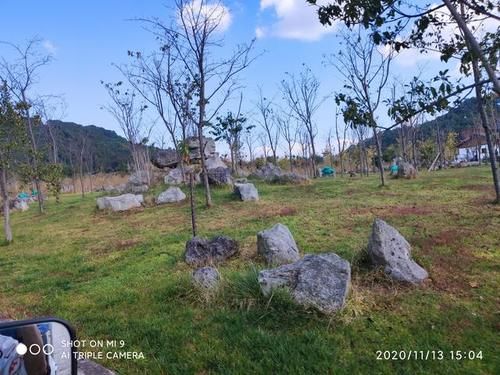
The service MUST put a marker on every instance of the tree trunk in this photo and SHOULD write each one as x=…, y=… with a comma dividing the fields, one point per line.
x=54, y=144
x=36, y=179
x=313, y=156
x=487, y=131
x=6, y=209
x=208, y=196
x=290, y=156
x=191, y=203
x=379, y=156
x=473, y=45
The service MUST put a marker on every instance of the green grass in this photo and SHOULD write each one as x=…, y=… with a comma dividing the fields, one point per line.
x=121, y=276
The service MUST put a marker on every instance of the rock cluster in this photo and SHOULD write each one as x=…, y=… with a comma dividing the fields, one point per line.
x=218, y=173
x=274, y=174
x=219, y=176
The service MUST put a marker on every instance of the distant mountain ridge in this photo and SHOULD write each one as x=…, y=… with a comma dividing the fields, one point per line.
x=105, y=151
x=455, y=120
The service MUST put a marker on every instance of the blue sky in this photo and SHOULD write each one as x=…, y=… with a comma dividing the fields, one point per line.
x=86, y=37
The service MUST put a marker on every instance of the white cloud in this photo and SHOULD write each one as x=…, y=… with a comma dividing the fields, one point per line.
x=49, y=47
x=295, y=19
x=215, y=12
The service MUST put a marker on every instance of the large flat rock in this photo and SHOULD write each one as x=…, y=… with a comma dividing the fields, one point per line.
x=120, y=203
x=319, y=281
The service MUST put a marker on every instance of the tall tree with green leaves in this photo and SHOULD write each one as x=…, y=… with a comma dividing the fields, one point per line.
x=13, y=138
x=229, y=129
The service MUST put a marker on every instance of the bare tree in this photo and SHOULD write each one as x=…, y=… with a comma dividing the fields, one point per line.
x=193, y=35
x=250, y=143
x=49, y=108
x=267, y=122
x=263, y=144
x=341, y=141
x=289, y=130
x=129, y=116
x=305, y=148
x=20, y=77
x=301, y=95
x=366, y=72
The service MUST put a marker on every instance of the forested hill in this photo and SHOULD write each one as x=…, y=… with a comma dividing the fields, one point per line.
x=456, y=120
x=103, y=151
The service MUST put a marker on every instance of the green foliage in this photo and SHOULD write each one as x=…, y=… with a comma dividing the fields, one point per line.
x=450, y=146
x=389, y=153
x=229, y=127
x=110, y=152
x=13, y=137
x=427, y=152
x=403, y=25
x=53, y=176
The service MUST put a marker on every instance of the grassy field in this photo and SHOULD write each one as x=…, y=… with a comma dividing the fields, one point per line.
x=121, y=276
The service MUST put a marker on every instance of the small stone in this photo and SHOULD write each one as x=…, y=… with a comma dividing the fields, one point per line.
x=206, y=278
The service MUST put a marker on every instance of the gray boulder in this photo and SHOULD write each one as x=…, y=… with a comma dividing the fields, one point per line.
x=21, y=205
x=139, y=178
x=176, y=177
x=277, y=245
x=288, y=178
x=171, y=195
x=206, y=278
x=214, y=161
x=319, y=281
x=136, y=189
x=219, y=176
x=406, y=170
x=246, y=192
x=275, y=175
x=389, y=249
x=193, y=145
x=201, y=251
x=120, y=203
x=116, y=189
x=268, y=171
x=165, y=158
